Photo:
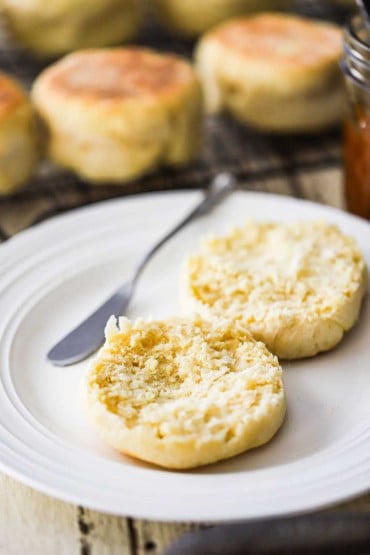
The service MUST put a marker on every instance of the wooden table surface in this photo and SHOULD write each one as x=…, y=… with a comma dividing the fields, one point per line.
x=32, y=523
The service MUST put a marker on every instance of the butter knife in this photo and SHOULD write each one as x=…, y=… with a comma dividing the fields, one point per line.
x=87, y=337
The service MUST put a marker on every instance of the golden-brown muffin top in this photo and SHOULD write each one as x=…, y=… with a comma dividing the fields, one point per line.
x=118, y=74
x=11, y=95
x=281, y=39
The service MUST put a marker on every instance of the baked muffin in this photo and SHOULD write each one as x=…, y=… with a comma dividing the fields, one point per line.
x=191, y=17
x=184, y=393
x=277, y=72
x=60, y=26
x=298, y=287
x=116, y=114
x=19, y=144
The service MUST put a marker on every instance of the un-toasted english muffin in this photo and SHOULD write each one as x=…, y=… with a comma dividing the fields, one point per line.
x=277, y=72
x=51, y=28
x=297, y=287
x=192, y=17
x=115, y=114
x=184, y=393
x=19, y=145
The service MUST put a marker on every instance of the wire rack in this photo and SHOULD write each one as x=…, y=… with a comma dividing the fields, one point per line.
x=229, y=146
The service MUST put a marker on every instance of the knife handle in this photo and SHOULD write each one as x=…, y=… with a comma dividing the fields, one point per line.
x=339, y=534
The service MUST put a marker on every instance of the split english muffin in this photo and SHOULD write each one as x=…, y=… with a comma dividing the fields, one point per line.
x=184, y=393
x=115, y=114
x=277, y=72
x=19, y=144
x=60, y=26
x=297, y=287
x=191, y=17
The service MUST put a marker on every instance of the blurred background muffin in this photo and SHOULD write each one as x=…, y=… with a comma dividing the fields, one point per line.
x=60, y=26
x=19, y=145
x=192, y=17
x=115, y=114
x=276, y=72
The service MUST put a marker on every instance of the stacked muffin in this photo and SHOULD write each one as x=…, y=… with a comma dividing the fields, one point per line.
x=191, y=18
x=276, y=72
x=19, y=143
x=115, y=114
x=54, y=28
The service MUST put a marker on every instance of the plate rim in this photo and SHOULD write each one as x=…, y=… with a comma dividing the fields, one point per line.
x=40, y=228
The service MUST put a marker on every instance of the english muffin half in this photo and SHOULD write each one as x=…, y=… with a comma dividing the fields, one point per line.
x=184, y=393
x=115, y=114
x=60, y=26
x=277, y=72
x=19, y=143
x=192, y=18
x=297, y=287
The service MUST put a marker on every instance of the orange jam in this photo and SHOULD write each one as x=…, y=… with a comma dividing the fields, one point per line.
x=357, y=164
x=356, y=69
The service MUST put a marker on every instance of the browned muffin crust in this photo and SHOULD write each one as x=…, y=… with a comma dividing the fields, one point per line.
x=118, y=74
x=292, y=41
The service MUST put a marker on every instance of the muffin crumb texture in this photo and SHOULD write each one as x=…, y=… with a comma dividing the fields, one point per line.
x=297, y=287
x=184, y=393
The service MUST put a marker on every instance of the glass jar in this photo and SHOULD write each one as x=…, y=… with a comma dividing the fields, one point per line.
x=356, y=68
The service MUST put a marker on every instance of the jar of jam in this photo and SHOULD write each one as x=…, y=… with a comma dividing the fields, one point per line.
x=356, y=68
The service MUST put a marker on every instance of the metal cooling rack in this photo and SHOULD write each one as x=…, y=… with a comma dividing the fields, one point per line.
x=251, y=156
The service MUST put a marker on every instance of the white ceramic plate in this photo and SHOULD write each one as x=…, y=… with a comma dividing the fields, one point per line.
x=54, y=274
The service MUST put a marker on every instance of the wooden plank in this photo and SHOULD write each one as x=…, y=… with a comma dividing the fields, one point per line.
x=277, y=186
x=324, y=186
x=37, y=524
x=101, y=534
x=359, y=505
x=34, y=523
x=153, y=537
x=14, y=218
